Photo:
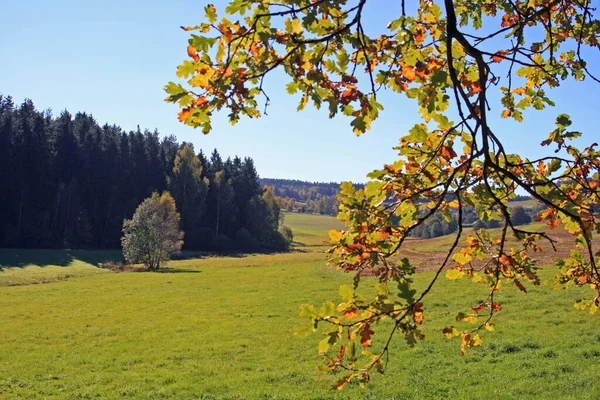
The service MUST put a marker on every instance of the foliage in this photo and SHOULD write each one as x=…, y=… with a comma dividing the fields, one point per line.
x=447, y=56
x=189, y=187
x=153, y=232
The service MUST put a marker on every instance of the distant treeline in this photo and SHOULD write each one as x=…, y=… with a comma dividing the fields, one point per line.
x=306, y=197
x=66, y=182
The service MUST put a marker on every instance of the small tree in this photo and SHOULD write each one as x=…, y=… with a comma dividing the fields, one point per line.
x=153, y=232
x=520, y=216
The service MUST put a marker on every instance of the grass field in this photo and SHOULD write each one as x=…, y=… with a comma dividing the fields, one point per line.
x=531, y=203
x=218, y=327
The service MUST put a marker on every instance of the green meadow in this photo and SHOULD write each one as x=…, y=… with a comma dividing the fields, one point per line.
x=219, y=328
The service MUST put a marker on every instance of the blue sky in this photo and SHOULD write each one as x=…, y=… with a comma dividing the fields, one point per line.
x=112, y=58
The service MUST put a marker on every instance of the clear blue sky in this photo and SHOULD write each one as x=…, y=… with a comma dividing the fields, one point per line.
x=112, y=58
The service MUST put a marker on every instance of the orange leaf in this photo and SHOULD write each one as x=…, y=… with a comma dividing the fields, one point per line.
x=507, y=261
x=419, y=317
x=340, y=355
x=449, y=332
x=254, y=49
x=479, y=308
x=351, y=313
x=448, y=152
x=466, y=339
x=508, y=20
x=185, y=114
x=200, y=101
x=228, y=72
x=541, y=169
x=499, y=56
x=472, y=241
x=419, y=34
x=409, y=72
x=192, y=52
x=365, y=336
x=349, y=94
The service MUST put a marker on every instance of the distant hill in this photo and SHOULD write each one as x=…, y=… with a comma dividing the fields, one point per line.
x=303, y=196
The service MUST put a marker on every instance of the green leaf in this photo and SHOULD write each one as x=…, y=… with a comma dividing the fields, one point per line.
x=202, y=43
x=293, y=25
x=418, y=133
x=554, y=165
x=175, y=89
x=186, y=69
x=308, y=310
x=360, y=125
x=292, y=87
x=211, y=13
x=563, y=120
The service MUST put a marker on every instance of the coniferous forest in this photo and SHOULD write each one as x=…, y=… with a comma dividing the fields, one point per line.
x=67, y=182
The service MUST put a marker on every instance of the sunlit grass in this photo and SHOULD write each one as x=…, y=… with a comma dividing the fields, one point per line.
x=219, y=328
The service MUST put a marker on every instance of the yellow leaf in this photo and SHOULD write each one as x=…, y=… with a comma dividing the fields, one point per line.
x=335, y=235
x=454, y=274
x=324, y=345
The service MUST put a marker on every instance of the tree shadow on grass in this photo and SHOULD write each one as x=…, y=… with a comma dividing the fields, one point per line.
x=19, y=258
x=177, y=271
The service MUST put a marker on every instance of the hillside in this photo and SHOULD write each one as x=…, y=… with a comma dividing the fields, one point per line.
x=306, y=197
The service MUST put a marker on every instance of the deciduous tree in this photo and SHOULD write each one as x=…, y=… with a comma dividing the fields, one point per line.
x=153, y=232
x=452, y=58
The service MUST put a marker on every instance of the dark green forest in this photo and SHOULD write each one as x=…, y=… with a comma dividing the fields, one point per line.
x=67, y=182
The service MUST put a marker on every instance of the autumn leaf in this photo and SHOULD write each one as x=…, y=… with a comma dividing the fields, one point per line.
x=351, y=313
x=472, y=241
x=451, y=332
x=335, y=235
x=448, y=153
x=365, y=336
x=185, y=114
x=419, y=317
x=408, y=71
x=499, y=56
x=520, y=286
x=193, y=53
x=479, y=308
x=454, y=274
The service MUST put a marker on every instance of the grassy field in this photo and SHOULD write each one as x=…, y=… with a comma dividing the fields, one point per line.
x=219, y=328
x=531, y=203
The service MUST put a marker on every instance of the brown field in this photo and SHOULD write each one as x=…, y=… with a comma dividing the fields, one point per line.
x=428, y=254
